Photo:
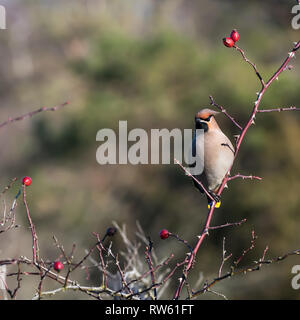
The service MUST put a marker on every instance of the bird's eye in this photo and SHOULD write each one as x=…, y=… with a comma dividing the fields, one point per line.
x=207, y=119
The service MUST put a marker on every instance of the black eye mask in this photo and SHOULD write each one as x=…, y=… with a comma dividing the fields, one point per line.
x=201, y=125
x=207, y=119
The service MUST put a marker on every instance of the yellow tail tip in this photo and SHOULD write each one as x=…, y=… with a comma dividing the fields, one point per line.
x=217, y=205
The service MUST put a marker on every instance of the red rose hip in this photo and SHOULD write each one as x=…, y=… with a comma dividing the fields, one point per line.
x=58, y=266
x=228, y=42
x=27, y=181
x=234, y=35
x=164, y=234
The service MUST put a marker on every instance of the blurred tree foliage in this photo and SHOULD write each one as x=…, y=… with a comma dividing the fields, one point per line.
x=155, y=65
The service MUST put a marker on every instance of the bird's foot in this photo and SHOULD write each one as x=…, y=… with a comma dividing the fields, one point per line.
x=217, y=205
x=216, y=198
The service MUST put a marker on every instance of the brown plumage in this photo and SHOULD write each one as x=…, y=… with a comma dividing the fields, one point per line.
x=218, y=152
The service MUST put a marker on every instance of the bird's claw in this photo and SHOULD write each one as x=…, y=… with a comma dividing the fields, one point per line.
x=217, y=205
x=216, y=197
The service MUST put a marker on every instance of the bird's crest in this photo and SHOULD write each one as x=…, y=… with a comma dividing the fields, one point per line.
x=205, y=114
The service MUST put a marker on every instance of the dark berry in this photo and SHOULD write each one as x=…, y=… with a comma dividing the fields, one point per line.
x=111, y=231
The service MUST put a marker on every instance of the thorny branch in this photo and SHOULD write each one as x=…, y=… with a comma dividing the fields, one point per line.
x=292, y=108
x=264, y=86
x=233, y=271
x=228, y=225
x=251, y=177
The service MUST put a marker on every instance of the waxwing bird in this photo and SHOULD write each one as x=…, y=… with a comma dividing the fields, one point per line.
x=218, y=153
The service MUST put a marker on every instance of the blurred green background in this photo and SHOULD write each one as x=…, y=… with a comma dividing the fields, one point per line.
x=152, y=63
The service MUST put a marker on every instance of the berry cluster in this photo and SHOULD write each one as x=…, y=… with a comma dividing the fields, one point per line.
x=230, y=41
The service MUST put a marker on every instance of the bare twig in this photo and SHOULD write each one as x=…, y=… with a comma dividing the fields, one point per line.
x=251, y=177
x=43, y=276
x=251, y=63
x=104, y=273
x=228, y=225
x=19, y=279
x=150, y=265
x=32, y=113
x=224, y=258
x=190, y=175
x=212, y=102
x=264, y=254
x=292, y=108
x=8, y=186
x=11, y=216
x=181, y=240
x=61, y=248
x=35, y=247
x=254, y=237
